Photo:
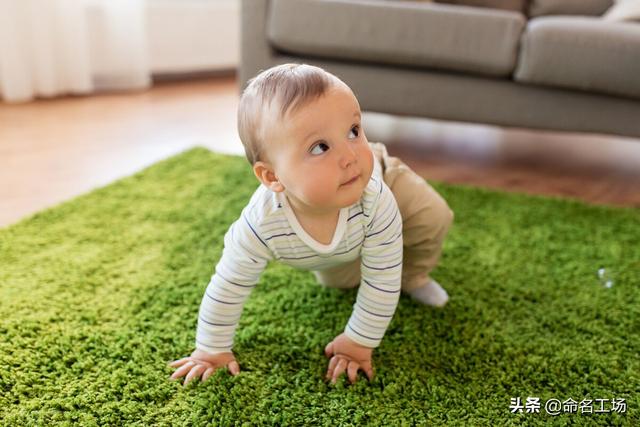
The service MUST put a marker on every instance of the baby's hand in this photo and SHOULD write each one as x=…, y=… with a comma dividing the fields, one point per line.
x=203, y=363
x=347, y=355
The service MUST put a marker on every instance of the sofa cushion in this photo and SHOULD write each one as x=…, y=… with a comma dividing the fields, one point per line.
x=414, y=34
x=568, y=7
x=515, y=5
x=580, y=52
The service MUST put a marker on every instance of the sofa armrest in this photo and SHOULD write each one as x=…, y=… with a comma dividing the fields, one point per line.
x=255, y=51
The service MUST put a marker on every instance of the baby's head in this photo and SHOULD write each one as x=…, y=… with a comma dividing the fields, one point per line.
x=301, y=130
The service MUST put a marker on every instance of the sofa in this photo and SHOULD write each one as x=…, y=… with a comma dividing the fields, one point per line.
x=538, y=64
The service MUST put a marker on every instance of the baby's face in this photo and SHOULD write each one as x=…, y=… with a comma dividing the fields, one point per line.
x=320, y=153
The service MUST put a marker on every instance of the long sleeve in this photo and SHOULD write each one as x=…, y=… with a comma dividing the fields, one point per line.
x=381, y=271
x=244, y=257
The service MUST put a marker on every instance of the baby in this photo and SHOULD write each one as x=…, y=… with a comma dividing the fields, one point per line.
x=330, y=202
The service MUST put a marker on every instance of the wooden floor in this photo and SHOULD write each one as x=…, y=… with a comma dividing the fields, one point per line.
x=52, y=150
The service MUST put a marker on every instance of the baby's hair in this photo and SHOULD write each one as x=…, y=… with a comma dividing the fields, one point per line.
x=280, y=89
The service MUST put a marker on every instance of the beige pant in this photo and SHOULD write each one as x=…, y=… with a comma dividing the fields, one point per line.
x=426, y=218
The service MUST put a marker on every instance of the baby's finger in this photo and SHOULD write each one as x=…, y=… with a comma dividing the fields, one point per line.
x=332, y=365
x=234, y=368
x=183, y=370
x=352, y=371
x=195, y=372
x=368, y=370
x=208, y=373
x=328, y=350
x=340, y=368
x=178, y=363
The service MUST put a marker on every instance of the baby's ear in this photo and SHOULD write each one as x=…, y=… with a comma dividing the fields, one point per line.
x=265, y=174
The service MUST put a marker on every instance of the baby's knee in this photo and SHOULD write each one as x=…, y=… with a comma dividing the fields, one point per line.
x=437, y=216
x=442, y=215
x=428, y=225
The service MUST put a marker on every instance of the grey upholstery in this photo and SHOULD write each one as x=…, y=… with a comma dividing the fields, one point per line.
x=458, y=97
x=515, y=5
x=587, y=86
x=568, y=7
x=479, y=41
x=583, y=53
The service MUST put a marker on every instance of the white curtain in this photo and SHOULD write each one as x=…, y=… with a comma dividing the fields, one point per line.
x=57, y=47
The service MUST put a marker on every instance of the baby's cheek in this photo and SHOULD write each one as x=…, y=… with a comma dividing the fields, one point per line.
x=317, y=189
x=369, y=158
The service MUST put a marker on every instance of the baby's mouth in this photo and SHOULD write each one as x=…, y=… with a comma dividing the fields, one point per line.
x=351, y=181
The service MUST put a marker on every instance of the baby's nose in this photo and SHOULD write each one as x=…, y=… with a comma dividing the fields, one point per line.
x=349, y=156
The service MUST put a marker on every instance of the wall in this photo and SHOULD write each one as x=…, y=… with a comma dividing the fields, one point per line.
x=193, y=35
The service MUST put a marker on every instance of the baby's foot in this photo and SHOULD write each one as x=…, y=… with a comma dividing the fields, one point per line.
x=430, y=294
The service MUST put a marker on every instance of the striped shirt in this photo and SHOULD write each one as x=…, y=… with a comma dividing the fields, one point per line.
x=267, y=229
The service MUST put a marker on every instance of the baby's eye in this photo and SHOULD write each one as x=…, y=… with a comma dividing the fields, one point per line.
x=319, y=148
x=355, y=130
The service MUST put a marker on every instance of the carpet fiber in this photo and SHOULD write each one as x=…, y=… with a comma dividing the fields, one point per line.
x=98, y=294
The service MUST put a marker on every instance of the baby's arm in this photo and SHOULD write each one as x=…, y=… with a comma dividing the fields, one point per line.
x=243, y=259
x=378, y=293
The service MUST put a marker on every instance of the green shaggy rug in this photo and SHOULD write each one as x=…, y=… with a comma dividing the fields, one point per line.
x=98, y=294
